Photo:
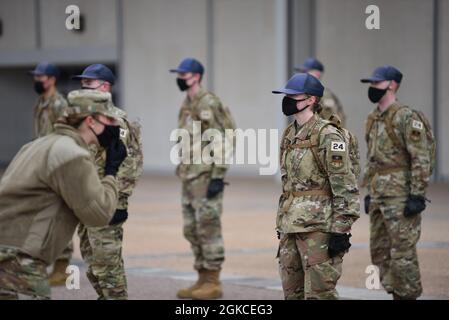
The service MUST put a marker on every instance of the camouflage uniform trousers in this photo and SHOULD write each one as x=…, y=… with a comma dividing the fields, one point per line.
x=202, y=223
x=22, y=277
x=393, y=242
x=306, y=270
x=101, y=249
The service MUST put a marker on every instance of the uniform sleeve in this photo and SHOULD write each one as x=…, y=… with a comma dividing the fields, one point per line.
x=131, y=168
x=368, y=171
x=343, y=184
x=208, y=113
x=57, y=109
x=416, y=145
x=92, y=200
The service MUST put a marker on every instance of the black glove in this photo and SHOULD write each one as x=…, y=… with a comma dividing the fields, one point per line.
x=120, y=215
x=367, y=202
x=414, y=205
x=115, y=155
x=215, y=187
x=338, y=242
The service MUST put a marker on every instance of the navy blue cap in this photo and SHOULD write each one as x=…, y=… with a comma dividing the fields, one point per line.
x=97, y=71
x=189, y=65
x=383, y=73
x=310, y=64
x=302, y=83
x=45, y=69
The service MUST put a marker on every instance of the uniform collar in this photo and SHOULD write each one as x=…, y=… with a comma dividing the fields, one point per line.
x=306, y=127
x=70, y=131
x=197, y=97
x=301, y=132
x=383, y=114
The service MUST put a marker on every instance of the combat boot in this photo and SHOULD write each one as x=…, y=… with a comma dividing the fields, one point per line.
x=186, y=293
x=211, y=288
x=58, y=275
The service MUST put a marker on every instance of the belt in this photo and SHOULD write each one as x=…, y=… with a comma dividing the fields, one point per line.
x=290, y=195
x=390, y=169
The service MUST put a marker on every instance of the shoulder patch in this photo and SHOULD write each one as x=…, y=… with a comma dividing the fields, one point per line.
x=123, y=133
x=338, y=146
x=206, y=114
x=417, y=125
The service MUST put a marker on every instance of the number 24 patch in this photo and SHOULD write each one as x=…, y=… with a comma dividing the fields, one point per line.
x=417, y=124
x=338, y=146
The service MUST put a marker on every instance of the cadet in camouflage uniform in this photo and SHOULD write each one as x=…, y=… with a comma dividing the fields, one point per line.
x=202, y=186
x=330, y=103
x=396, y=178
x=50, y=186
x=50, y=102
x=101, y=247
x=320, y=201
x=46, y=111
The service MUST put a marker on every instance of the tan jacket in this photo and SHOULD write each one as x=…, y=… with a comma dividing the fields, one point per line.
x=50, y=186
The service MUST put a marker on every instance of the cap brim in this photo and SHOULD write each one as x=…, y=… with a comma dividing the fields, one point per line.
x=301, y=69
x=110, y=115
x=371, y=79
x=80, y=76
x=286, y=91
x=36, y=73
x=179, y=71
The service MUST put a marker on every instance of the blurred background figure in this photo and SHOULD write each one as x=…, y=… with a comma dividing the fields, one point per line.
x=47, y=110
x=101, y=247
x=50, y=102
x=329, y=102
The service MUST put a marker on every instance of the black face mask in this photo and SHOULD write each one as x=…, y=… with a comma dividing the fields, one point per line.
x=182, y=83
x=375, y=94
x=39, y=87
x=289, y=106
x=109, y=135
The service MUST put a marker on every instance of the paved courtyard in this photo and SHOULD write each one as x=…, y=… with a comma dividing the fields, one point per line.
x=158, y=258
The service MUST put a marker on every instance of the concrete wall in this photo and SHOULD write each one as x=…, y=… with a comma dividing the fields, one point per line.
x=349, y=51
x=243, y=45
x=150, y=91
x=35, y=31
x=249, y=62
x=245, y=65
x=443, y=85
x=100, y=24
x=18, y=25
x=17, y=111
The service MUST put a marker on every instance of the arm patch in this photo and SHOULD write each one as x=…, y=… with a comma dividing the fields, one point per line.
x=337, y=146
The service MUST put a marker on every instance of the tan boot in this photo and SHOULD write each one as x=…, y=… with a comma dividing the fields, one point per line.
x=186, y=293
x=58, y=275
x=211, y=289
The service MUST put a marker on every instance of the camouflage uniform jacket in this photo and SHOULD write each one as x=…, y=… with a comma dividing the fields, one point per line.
x=46, y=112
x=203, y=107
x=316, y=198
x=393, y=172
x=131, y=168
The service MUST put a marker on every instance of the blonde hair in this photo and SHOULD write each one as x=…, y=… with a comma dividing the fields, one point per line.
x=316, y=108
